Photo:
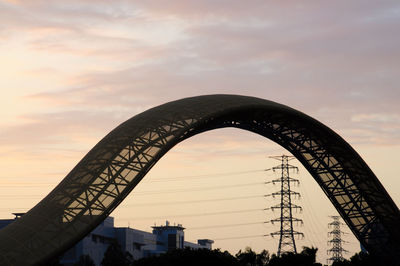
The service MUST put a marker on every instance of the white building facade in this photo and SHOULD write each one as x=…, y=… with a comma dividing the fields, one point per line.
x=139, y=244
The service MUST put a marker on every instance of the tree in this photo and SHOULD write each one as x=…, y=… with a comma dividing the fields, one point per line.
x=305, y=258
x=115, y=256
x=250, y=258
x=360, y=259
x=263, y=257
x=85, y=260
x=309, y=255
x=187, y=256
x=343, y=262
x=364, y=259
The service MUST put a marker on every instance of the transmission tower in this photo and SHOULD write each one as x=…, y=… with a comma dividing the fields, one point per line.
x=337, y=250
x=286, y=220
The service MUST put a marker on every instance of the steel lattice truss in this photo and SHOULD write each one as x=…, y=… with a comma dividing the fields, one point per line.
x=111, y=170
x=337, y=250
x=286, y=233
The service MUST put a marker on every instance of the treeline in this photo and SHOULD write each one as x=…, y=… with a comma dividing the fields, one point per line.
x=216, y=257
x=307, y=257
x=360, y=259
x=114, y=256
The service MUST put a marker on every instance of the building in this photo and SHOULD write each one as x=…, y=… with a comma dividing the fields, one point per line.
x=139, y=244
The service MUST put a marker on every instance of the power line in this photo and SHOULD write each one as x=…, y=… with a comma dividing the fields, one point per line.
x=239, y=237
x=152, y=192
x=224, y=225
x=155, y=180
x=193, y=215
x=167, y=203
x=315, y=229
x=22, y=196
x=191, y=201
x=23, y=184
x=196, y=189
x=206, y=175
x=7, y=209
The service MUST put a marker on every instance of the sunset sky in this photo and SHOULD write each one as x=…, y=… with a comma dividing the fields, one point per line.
x=71, y=71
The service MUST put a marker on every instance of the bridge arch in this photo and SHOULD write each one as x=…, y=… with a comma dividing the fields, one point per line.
x=112, y=169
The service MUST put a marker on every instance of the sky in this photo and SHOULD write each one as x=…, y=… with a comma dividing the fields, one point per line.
x=71, y=71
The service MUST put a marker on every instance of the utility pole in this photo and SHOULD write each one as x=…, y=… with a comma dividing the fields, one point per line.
x=337, y=250
x=286, y=220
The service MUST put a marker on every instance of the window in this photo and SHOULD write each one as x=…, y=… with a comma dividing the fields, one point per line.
x=172, y=241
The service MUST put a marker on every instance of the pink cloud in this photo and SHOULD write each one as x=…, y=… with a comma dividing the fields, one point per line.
x=312, y=56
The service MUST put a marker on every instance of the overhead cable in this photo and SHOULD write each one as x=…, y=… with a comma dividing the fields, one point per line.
x=192, y=215
x=224, y=225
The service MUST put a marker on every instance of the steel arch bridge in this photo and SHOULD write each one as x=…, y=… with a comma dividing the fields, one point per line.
x=112, y=169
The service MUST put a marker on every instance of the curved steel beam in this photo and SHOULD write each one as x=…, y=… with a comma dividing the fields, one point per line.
x=110, y=171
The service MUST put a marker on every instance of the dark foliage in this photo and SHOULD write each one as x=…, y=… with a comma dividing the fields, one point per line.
x=114, y=256
x=185, y=257
x=247, y=257
x=306, y=257
x=359, y=259
x=250, y=258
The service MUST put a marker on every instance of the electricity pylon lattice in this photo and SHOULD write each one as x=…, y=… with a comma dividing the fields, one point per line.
x=337, y=250
x=286, y=207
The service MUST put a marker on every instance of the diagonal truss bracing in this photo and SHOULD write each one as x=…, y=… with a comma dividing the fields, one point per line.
x=111, y=170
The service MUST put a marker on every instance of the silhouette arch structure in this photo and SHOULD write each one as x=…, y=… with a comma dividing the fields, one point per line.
x=112, y=169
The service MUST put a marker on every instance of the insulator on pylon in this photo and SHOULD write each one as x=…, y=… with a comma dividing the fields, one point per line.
x=286, y=233
x=336, y=242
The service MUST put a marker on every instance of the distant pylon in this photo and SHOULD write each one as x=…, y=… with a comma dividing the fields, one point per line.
x=286, y=232
x=337, y=250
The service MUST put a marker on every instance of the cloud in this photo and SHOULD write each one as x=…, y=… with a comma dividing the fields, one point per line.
x=377, y=117
x=52, y=129
x=338, y=62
